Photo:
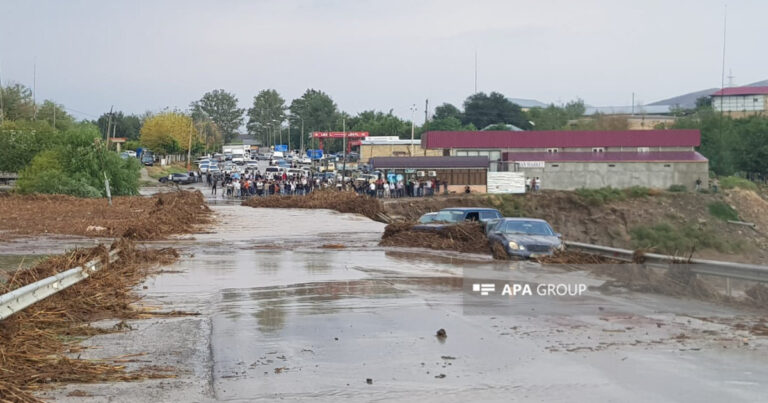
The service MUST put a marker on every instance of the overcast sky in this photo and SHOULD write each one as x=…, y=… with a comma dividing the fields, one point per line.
x=389, y=54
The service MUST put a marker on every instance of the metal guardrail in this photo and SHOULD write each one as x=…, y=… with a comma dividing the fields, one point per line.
x=22, y=297
x=728, y=270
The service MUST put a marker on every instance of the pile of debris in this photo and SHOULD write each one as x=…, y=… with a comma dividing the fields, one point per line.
x=343, y=202
x=136, y=217
x=36, y=344
x=466, y=237
x=172, y=213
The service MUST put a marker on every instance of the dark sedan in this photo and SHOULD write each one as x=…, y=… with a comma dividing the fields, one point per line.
x=183, y=179
x=455, y=215
x=525, y=237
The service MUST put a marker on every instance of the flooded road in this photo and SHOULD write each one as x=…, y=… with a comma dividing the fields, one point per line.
x=303, y=305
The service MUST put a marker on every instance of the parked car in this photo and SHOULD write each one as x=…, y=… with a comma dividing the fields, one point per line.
x=525, y=237
x=183, y=179
x=148, y=160
x=455, y=215
x=427, y=218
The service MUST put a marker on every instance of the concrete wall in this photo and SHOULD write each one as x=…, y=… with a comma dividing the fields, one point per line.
x=368, y=151
x=462, y=152
x=660, y=175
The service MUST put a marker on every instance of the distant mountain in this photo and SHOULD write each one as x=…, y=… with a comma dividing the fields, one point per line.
x=528, y=103
x=687, y=101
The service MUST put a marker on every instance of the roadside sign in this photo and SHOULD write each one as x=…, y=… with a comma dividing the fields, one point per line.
x=400, y=177
x=391, y=177
x=315, y=154
x=281, y=147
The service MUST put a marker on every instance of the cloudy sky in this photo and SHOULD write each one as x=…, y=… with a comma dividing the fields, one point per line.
x=389, y=54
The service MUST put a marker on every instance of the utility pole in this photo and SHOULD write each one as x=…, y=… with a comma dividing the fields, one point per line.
x=344, y=166
x=34, y=90
x=54, y=115
x=426, y=111
x=475, y=71
x=413, y=127
x=2, y=109
x=109, y=125
x=189, y=145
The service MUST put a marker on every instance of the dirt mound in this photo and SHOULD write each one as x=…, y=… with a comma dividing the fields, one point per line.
x=758, y=294
x=138, y=217
x=34, y=343
x=751, y=207
x=572, y=257
x=466, y=237
x=343, y=202
x=172, y=213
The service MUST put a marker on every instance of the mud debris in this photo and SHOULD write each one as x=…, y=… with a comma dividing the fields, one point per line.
x=441, y=334
x=343, y=202
x=135, y=217
x=466, y=237
x=34, y=343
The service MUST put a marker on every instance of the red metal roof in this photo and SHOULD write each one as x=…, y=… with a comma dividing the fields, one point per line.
x=561, y=139
x=653, y=156
x=428, y=162
x=742, y=91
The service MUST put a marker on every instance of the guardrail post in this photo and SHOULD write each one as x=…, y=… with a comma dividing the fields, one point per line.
x=728, y=290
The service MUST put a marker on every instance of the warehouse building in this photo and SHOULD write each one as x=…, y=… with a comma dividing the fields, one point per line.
x=568, y=160
x=739, y=102
x=393, y=146
x=457, y=172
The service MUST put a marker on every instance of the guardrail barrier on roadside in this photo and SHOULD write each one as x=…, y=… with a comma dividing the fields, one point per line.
x=22, y=297
x=728, y=270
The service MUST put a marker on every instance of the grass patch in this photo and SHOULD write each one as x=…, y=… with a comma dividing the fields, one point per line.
x=158, y=172
x=723, y=211
x=638, y=191
x=678, y=188
x=598, y=197
x=509, y=205
x=730, y=182
x=665, y=238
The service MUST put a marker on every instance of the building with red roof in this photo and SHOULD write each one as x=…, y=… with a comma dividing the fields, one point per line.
x=741, y=101
x=590, y=159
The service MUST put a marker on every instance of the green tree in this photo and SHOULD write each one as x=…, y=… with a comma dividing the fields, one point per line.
x=719, y=141
x=77, y=166
x=21, y=140
x=378, y=123
x=318, y=111
x=128, y=126
x=266, y=115
x=17, y=103
x=221, y=107
x=446, y=111
x=483, y=110
x=55, y=115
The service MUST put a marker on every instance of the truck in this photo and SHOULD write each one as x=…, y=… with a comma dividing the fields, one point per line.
x=236, y=150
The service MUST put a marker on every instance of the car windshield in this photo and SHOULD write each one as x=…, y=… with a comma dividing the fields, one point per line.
x=427, y=218
x=527, y=227
x=448, y=216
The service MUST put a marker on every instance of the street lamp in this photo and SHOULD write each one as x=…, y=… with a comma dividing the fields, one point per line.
x=344, y=166
x=302, y=130
x=413, y=127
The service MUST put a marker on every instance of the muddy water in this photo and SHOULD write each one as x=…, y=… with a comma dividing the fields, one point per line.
x=282, y=317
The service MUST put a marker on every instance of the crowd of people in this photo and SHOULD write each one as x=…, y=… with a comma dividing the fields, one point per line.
x=253, y=182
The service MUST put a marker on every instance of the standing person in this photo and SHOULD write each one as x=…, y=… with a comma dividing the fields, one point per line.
x=213, y=187
x=437, y=186
x=698, y=184
x=533, y=184
x=538, y=183
x=428, y=187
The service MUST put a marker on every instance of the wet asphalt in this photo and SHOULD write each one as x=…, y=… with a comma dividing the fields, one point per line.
x=285, y=313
